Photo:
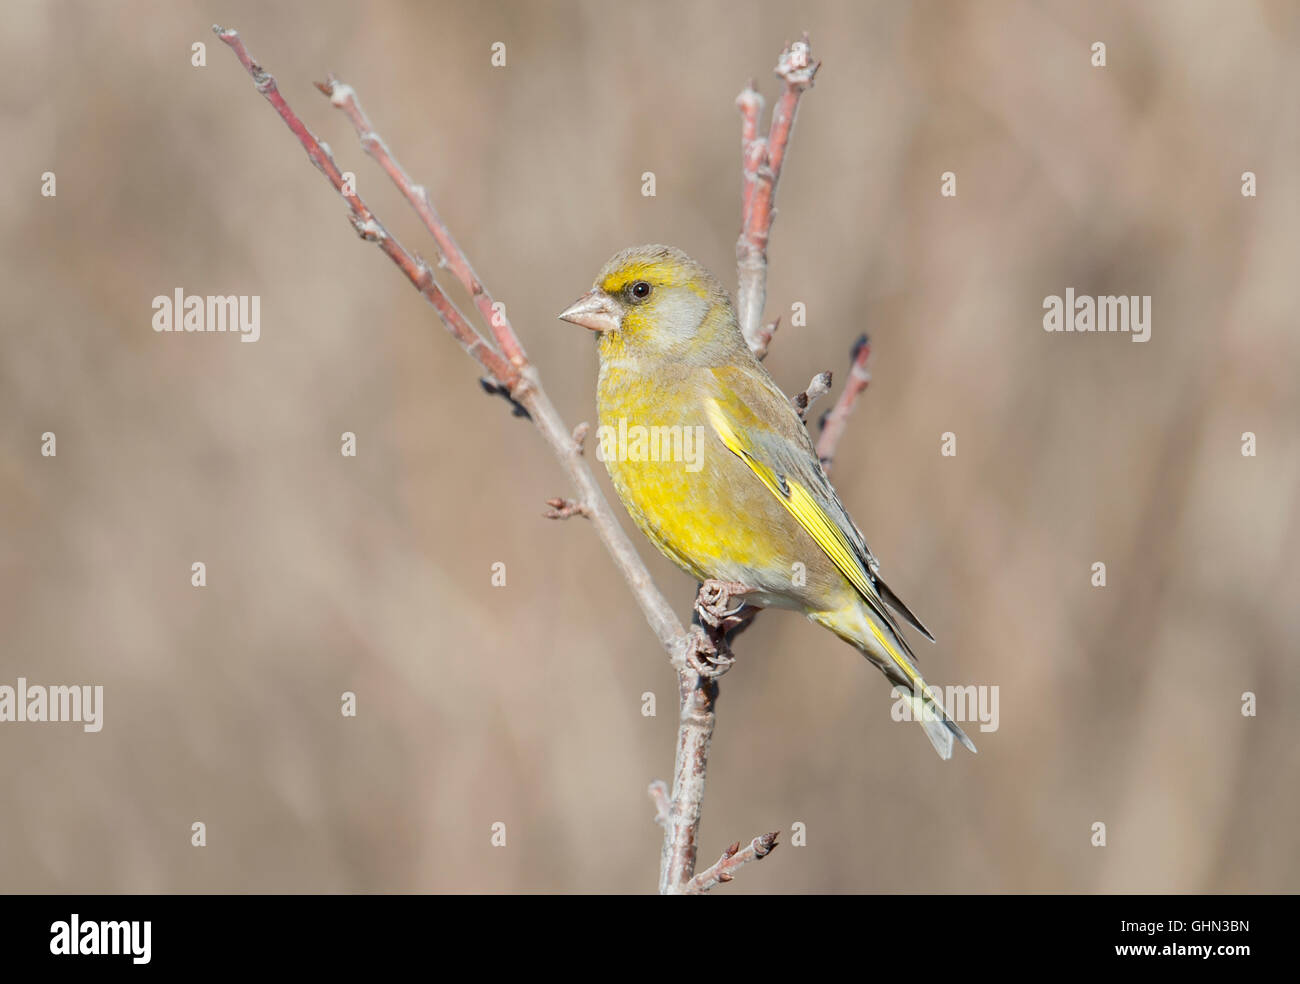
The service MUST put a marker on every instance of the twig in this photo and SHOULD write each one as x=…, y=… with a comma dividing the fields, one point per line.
x=515, y=372
x=695, y=723
x=580, y=434
x=763, y=340
x=562, y=508
x=761, y=161
x=723, y=870
x=720, y=612
x=659, y=795
x=344, y=97
x=492, y=388
x=368, y=227
x=836, y=420
x=819, y=387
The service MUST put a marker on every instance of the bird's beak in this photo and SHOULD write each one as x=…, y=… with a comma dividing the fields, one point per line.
x=595, y=310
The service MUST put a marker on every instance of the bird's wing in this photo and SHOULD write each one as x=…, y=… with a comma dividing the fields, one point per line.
x=755, y=421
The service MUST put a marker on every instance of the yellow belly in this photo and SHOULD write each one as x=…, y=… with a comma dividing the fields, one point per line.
x=695, y=500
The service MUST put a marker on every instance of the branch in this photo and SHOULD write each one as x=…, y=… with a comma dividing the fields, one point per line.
x=451, y=256
x=369, y=228
x=836, y=420
x=508, y=365
x=723, y=870
x=698, y=705
x=761, y=161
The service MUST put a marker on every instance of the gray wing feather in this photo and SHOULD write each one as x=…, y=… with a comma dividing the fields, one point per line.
x=804, y=465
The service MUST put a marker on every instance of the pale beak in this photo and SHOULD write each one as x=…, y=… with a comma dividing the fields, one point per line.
x=595, y=310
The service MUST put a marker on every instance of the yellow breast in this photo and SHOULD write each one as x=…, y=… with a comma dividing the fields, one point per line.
x=685, y=490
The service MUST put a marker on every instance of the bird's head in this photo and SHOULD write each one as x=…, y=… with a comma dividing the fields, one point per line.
x=655, y=300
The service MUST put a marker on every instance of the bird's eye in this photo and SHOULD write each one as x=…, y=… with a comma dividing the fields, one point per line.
x=640, y=290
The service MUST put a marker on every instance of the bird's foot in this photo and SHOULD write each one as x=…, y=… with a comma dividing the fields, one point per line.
x=720, y=612
x=708, y=654
x=714, y=605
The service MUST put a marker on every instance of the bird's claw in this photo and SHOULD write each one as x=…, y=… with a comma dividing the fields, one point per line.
x=717, y=619
x=714, y=601
x=706, y=655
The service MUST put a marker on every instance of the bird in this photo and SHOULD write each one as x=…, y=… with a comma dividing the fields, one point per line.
x=741, y=496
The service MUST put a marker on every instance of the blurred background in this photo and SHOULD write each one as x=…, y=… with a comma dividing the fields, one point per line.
x=522, y=704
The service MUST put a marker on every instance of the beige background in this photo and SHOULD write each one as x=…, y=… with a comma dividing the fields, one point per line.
x=522, y=704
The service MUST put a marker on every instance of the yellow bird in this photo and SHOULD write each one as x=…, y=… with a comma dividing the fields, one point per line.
x=716, y=468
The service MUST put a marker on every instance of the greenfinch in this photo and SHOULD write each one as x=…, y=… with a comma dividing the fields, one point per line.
x=720, y=473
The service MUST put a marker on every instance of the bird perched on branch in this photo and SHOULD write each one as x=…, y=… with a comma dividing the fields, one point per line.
x=739, y=494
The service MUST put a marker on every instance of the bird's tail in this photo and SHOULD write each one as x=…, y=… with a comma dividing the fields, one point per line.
x=887, y=650
x=939, y=727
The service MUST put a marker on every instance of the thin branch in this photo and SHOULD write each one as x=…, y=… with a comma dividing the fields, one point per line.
x=836, y=420
x=761, y=162
x=344, y=97
x=753, y=155
x=724, y=869
x=515, y=372
x=369, y=228
x=695, y=723
x=720, y=611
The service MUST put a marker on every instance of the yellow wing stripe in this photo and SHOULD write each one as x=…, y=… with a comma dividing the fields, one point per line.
x=820, y=527
x=832, y=540
x=828, y=536
x=801, y=505
x=919, y=686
